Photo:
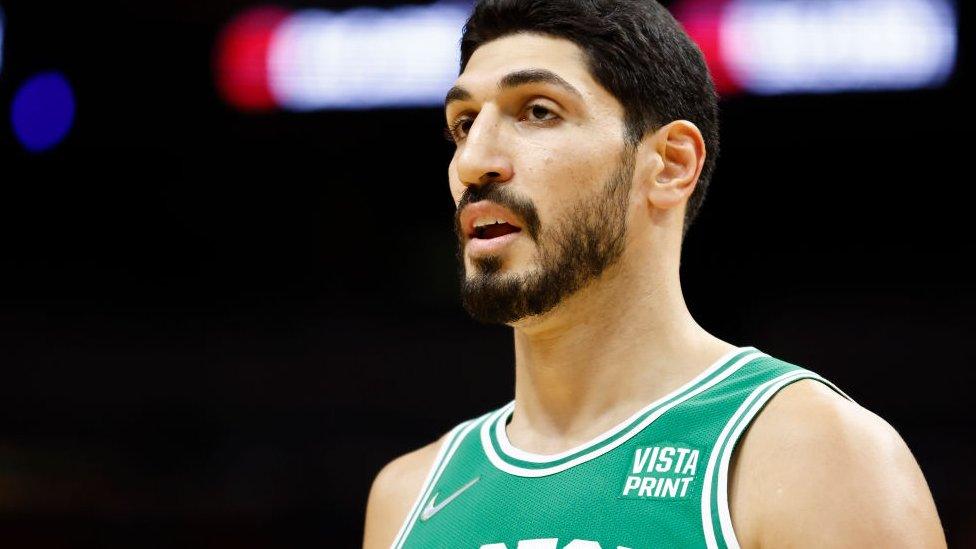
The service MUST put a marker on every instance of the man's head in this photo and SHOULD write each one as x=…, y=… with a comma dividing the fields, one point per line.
x=560, y=107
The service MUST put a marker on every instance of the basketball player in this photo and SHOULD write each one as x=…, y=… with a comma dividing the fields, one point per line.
x=586, y=133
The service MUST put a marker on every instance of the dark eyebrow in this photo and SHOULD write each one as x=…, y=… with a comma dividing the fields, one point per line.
x=515, y=79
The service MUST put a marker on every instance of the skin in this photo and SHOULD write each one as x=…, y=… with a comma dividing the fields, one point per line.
x=812, y=470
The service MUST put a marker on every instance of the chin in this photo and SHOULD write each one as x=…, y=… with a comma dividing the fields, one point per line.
x=486, y=264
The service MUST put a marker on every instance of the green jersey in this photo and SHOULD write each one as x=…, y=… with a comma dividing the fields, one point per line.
x=658, y=479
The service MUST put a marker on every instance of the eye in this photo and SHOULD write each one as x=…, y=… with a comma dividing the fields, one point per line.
x=540, y=110
x=458, y=129
x=453, y=132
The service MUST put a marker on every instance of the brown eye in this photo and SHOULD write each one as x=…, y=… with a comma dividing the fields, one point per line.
x=454, y=130
x=540, y=111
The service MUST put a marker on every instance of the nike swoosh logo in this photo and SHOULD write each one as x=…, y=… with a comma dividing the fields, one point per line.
x=431, y=509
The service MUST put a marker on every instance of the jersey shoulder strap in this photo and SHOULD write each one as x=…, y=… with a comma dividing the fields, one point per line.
x=737, y=401
x=452, y=441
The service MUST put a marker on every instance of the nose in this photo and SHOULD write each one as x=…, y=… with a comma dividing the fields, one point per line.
x=484, y=157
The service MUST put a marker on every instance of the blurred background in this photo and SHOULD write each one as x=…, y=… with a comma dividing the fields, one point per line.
x=227, y=280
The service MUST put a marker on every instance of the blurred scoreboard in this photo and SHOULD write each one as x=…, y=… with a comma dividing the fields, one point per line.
x=269, y=57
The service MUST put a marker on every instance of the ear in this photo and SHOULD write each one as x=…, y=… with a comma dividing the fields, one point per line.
x=680, y=154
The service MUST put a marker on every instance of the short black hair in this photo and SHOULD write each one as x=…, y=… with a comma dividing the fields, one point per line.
x=634, y=48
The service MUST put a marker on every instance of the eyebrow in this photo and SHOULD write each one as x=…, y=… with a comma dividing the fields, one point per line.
x=515, y=79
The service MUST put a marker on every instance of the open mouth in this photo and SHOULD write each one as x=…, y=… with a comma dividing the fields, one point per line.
x=494, y=230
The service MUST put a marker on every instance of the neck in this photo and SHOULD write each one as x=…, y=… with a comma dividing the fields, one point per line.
x=604, y=353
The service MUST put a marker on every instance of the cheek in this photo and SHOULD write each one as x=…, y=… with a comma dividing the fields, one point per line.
x=454, y=183
x=567, y=187
x=566, y=179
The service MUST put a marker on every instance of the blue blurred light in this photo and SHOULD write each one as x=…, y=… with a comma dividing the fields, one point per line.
x=822, y=46
x=42, y=111
x=1, y=38
x=403, y=56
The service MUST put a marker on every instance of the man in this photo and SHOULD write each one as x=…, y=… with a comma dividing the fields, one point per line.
x=586, y=133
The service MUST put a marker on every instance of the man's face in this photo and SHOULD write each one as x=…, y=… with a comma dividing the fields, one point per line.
x=545, y=155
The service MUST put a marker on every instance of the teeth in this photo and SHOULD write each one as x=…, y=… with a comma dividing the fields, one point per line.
x=485, y=221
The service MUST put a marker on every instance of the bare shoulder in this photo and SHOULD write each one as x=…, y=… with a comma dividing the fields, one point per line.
x=393, y=493
x=817, y=470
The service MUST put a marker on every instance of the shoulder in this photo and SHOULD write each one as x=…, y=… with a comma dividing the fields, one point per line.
x=817, y=470
x=394, y=491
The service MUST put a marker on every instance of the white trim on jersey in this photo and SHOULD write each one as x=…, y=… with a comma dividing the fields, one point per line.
x=436, y=469
x=502, y=437
x=501, y=464
x=747, y=410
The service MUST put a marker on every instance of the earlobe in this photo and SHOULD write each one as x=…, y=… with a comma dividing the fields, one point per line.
x=681, y=149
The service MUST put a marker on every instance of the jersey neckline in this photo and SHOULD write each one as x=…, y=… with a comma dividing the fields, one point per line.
x=508, y=458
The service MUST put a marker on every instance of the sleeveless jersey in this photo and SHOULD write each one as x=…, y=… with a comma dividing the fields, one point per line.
x=656, y=480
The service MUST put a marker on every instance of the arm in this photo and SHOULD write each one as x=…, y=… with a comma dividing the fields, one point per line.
x=824, y=472
x=393, y=493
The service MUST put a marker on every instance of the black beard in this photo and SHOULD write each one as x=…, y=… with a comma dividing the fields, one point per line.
x=574, y=252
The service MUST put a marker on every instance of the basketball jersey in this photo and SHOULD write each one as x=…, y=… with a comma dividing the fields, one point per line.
x=656, y=480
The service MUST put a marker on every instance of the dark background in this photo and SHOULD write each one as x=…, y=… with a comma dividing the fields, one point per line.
x=216, y=326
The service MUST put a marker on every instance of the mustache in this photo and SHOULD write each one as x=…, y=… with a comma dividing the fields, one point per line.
x=503, y=196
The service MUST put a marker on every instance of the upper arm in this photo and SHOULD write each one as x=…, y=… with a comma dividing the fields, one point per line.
x=834, y=474
x=393, y=493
